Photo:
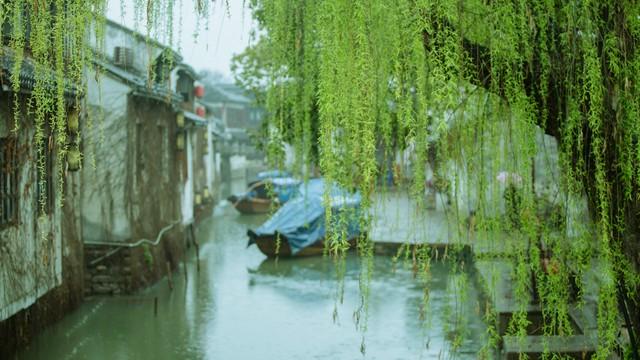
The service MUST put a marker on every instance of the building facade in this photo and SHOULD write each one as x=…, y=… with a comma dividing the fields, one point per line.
x=41, y=270
x=140, y=196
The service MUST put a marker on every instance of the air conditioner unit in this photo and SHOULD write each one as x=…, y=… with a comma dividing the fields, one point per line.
x=123, y=57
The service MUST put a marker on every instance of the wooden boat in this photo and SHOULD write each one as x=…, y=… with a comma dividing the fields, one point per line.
x=259, y=199
x=267, y=245
x=252, y=205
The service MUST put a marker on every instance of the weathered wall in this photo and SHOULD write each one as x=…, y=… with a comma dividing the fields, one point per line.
x=188, y=184
x=217, y=169
x=151, y=178
x=129, y=269
x=212, y=161
x=41, y=277
x=106, y=170
x=209, y=160
x=201, y=149
x=155, y=187
x=31, y=249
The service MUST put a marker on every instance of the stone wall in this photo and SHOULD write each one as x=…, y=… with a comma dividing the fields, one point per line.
x=111, y=270
x=41, y=265
x=18, y=330
x=138, y=183
x=111, y=276
x=30, y=243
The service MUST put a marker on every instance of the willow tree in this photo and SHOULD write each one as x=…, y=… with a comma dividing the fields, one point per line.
x=350, y=77
x=356, y=76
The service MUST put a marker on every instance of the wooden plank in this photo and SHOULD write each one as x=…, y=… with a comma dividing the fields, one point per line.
x=575, y=346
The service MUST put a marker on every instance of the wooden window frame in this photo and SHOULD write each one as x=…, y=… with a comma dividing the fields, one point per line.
x=9, y=182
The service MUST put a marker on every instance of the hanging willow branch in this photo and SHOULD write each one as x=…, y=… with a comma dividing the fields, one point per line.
x=391, y=74
x=351, y=80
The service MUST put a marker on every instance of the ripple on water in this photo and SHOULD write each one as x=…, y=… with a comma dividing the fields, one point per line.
x=243, y=306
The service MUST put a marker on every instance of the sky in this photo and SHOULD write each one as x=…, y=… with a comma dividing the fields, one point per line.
x=223, y=34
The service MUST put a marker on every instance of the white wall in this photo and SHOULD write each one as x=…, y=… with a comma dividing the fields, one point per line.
x=187, y=192
x=105, y=171
x=143, y=51
x=210, y=157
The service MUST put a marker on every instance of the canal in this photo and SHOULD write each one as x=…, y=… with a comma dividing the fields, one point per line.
x=244, y=306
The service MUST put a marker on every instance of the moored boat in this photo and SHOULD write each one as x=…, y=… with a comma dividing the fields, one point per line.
x=263, y=196
x=299, y=228
x=268, y=245
x=251, y=205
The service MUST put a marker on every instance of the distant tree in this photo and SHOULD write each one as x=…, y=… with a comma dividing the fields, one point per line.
x=252, y=69
x=212, y=77
x=259, y=72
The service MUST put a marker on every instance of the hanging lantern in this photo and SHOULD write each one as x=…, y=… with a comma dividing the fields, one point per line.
x=198, y=198
x=73, y=122
x=206, y=193
x=198, y=91
x=180, y=142
x=200, y=111
x=74, y=159
x=180, y=120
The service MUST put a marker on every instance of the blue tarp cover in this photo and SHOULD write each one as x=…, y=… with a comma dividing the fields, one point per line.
x=302, y=219
x=285, y=188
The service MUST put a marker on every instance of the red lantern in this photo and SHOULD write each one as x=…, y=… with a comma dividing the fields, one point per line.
x=199, y=91
x=200, y=111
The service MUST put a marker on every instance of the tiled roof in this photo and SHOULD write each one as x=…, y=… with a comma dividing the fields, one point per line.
x=195, y=118
x=227, y=93
x=28, y=75
x=139, y=85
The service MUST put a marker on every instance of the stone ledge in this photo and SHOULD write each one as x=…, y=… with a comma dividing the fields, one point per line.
x=575, y=346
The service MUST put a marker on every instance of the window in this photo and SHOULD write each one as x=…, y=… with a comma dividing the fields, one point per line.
x=45, y=171
x=8, y=181
x=184, y=86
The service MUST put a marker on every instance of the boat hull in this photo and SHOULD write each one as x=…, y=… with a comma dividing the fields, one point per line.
x=251, y=205
x=268, y=245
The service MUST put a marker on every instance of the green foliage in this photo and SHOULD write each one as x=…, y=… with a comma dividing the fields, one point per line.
x=148, y=256
x=456, y=86
x=468, y=86
x=251, y=68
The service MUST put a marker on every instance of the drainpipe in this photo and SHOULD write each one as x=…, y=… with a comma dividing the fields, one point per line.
x=120, y=245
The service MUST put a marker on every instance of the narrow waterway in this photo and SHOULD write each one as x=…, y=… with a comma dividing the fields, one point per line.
x=244, y=306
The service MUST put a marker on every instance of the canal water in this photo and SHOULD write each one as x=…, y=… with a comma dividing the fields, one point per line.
x=244, y=306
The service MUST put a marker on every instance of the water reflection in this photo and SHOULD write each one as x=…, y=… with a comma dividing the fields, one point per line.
x=243, y=306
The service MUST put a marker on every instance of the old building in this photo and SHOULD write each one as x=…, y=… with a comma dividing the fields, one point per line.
x=140, y=171
x=193, y=127
x=240, y=115
x=41, y=272
x=234, y=107
x=241, y=118
x=216, y=137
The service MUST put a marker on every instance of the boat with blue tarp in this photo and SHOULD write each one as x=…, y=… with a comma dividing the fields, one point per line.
x=299, y=227
x=264, y=195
